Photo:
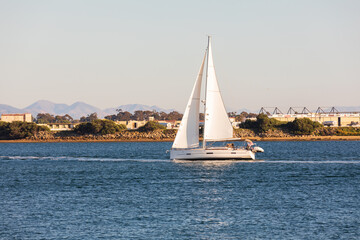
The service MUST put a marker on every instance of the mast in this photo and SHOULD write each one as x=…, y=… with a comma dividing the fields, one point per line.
x=207, y=70
x=218, y=126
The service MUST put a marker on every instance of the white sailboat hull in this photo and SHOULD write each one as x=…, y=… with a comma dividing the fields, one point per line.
x=211, y=154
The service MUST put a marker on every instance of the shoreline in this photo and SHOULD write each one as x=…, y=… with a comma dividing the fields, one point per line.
x=260, y=139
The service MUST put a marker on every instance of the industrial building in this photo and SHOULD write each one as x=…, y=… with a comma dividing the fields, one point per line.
x=327, y=118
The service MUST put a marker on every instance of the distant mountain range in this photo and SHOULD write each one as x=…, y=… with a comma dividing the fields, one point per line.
x=79, y=109
x=76, y=110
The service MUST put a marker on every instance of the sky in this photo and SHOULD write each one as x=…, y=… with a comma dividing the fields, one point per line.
x=110, y=53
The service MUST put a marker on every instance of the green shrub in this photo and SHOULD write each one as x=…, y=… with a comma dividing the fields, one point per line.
x=302, y=126
x=249, y=124
x=262, y=124
x=19, y=130
x=99, y=127
x=338, y=131
x=151, y=126
x=348, y=131
x=4, y=130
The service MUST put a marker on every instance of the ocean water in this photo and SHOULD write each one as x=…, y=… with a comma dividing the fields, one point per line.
x=296, y=190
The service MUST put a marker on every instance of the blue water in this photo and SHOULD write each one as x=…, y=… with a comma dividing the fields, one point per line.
x=299, y=190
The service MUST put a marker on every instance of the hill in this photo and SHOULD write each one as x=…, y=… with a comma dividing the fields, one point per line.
x=76, y=110
x=9, y=109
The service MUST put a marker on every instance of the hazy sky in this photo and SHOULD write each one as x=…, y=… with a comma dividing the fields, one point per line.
x=109, y=53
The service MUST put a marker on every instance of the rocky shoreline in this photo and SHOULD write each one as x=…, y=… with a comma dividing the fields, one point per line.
x=169, y=136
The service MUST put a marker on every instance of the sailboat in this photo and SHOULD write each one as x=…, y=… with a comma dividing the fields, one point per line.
x=217, y=126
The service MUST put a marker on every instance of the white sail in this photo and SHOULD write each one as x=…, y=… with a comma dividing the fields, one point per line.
x=217, y=123
x=188, y=133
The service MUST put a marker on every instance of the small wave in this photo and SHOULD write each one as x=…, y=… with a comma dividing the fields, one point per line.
x=120, y=160
x=22, y=158
x=83, y=159
x=316, y=162
x=227, y=162
x=36, y=158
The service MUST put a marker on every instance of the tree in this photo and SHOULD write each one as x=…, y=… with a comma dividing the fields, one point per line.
x=138, y=115
x=45, y=118
x=263, y=122
x=232, y=114
x=241, y=117
x=111, y=117
x=252, y=115
x=89, y=118
x=68, y=118
x=4, y=130
x=163, y=115
x=174, y=115
x=249, y=124
x=120, y=116
x=63, y=119
x=124, y=116
x=18, y=130
x=156, y=115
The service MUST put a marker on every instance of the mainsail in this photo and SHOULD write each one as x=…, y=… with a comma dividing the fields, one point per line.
x=188, y=133
x=217, y=123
